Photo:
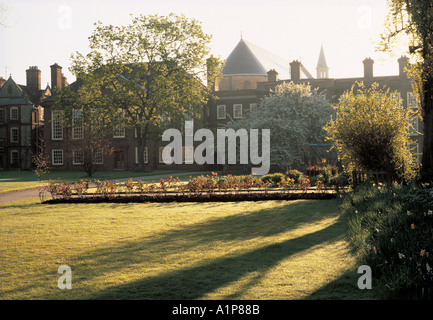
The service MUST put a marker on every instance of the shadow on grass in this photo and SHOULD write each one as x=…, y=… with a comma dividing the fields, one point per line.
x=196, y=281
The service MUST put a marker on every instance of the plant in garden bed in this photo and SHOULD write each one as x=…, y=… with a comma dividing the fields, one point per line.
x=391, y=227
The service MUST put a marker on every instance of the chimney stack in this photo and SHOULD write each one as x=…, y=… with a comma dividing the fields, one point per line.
x=2, y=81
x=403, y=62
x=368, y=69
x=295, y=70
x=33, y=77
x=272, y=75
x=56, y=76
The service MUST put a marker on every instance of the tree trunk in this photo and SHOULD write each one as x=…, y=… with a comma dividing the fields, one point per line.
x=141, y=144
x=427, y=107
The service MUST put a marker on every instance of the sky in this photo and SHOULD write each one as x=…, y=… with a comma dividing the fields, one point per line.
x=43, y=32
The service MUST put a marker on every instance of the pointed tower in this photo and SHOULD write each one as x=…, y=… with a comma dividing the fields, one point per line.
x=322, y=67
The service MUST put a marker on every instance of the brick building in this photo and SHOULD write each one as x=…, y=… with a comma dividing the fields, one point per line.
x=65, y=143
x=21, y=120
x=250, y=73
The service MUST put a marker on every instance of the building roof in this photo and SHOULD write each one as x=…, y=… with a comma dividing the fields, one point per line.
x=321, y=63
x=247, y=58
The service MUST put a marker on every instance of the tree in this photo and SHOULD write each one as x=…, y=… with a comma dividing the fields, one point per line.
x=412, y=20
x=150, y=73
x=40, y=159
x=295, y=115
x=371, y=132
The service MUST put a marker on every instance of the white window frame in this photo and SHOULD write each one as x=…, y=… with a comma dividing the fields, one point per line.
x=119, y=131
x=414, y=126
x=411, y=100
x=76, y=159
x=396, y=96
x=12, y=157
x=54, y=157
x=13, y=136
x=145, y=155
x=77, y=125
x=222, y=107
x=12, y=115
x=414, y=149
x=56, y=125
x=160, y=153
x=237, y=111
x=98, y=156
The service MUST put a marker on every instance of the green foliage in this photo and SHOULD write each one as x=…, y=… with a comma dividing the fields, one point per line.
x=149, y=73
x=274, y=178
x=371, y=132
x=41, y=161
x=296, y=175
x=390, y=227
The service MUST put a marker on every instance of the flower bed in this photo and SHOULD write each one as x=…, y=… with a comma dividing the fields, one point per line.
x=202, y=188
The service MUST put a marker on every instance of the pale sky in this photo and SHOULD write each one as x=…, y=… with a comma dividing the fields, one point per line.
x=42, y=32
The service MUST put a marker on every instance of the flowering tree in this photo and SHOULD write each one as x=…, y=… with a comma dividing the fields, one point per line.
x=295, y=115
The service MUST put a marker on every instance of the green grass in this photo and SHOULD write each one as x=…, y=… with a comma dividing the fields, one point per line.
x=14, y=180
x=269, y=250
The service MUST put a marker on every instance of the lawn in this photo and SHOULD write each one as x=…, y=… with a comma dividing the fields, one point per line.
x=269, y=250
x=20, y=180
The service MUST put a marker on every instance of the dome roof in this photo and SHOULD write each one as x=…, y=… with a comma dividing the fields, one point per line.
x=247, y=58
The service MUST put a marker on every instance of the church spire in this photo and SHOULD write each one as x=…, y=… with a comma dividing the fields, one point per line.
x=322, y=67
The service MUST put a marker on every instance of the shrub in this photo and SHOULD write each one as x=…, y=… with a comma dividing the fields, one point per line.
x=274, y=178
x=391, y=228
x=295, y=175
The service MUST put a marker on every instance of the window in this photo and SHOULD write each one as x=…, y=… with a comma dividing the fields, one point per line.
x=189, y=154
x=414, y=148
x=15, y=157
x=253, y=106
x=77, y=124
x=119, y=130
x=413, y=128
x=237, y=111
x=14, y=113
x=57, y=157
x=396, y=99
x=56, y=125
x=77, y=157
x=2, y=144
x=98, y=156
x=221, y=112
x=145, y=155
x=14, y=135
x=161, y=160
x=411, y=100
x=2, y=115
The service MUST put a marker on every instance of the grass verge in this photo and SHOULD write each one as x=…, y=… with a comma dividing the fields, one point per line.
x=272, y=250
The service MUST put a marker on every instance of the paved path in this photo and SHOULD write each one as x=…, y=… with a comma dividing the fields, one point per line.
x=34, y=193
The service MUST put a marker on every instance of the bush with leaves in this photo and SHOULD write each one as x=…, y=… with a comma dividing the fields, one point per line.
x=371, y=132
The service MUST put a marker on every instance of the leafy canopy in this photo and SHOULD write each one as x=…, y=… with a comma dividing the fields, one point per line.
x=371, y=132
